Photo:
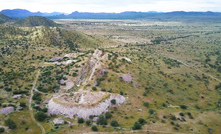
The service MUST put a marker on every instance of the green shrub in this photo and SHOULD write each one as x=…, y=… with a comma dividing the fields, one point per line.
x=136, y=126
x=172, y=117
x=141, y=121
x=74, y=75
x=151, y=111
x=2, y=130
x=88, y=122
x=181, y=114
x=146, y=104
x=94, y=128
x=22, y=104
x=113, y=101
x=10, y=123
x=114, y=123
x=108, y=115
x=101, y=120
x=183, y=106
x=94, y=88
x=40, y=116
x=80, y=120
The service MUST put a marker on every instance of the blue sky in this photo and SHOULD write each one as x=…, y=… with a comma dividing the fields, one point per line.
x=68, y=6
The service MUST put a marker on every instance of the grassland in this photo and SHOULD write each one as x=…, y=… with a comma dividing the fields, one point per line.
x=174, y=64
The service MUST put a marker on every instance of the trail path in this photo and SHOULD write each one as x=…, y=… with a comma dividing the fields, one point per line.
x=30, y=101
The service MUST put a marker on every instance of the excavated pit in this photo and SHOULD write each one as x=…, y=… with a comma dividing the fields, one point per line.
x=83, y=104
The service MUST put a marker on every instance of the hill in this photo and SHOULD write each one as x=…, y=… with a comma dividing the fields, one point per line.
x=4, y=18
x=36, y=21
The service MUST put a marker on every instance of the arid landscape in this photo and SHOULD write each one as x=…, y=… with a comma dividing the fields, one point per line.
x=110, y=76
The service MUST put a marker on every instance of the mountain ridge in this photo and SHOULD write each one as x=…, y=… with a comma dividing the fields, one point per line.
x=154, y=15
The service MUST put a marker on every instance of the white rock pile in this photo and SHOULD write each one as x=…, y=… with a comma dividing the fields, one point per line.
x=83, y=111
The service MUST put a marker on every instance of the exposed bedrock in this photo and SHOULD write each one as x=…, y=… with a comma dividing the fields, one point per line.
x=81, y=110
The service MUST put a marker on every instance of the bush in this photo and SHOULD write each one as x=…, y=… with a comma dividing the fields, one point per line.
x=108, y=115
x=141, y=121
x=121, y=93
x=94, y=88
x=80, y=120
x=136, y=126
x=151, y=111
x=22, y=104
x=40, y=116
x=114, y=123
x=88, y=122
x=172, y=117
x=103, y=89
x=146, y=104
x=183, y=106
x=8, y=89
x=10, y=123
x=2, y=130
x=45, y=110
x=94, y=128
x=144, y=94
x=181, y=114
x=74, y=75
x=101, y=120
x=113, y=101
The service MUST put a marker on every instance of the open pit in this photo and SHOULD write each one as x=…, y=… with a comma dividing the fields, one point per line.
x=83, y=104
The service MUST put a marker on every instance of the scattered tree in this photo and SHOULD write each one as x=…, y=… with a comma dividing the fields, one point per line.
x=113, y=101
x=108, y=115
x=94, y=128
x=10, y=123
x=80, y=120
x=40, y=116
x=114, y=123
x=136, y=126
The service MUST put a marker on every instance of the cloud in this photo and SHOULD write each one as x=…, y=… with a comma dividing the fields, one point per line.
x=69, y=6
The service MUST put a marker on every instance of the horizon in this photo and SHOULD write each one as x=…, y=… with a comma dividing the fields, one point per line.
x=110, y=12
x=102, y=6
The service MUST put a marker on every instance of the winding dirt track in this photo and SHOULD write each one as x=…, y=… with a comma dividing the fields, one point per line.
x=30, y=101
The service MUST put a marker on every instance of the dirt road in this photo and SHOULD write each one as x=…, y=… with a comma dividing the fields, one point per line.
x=30, y=101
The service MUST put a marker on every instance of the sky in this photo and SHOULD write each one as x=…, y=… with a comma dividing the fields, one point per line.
x=117, y=6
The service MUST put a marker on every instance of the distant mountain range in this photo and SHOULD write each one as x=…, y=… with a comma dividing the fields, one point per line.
x=152, y=15
x=22, y=13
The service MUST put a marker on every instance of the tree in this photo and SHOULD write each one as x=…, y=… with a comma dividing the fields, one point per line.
x=10, y=123
x=146, y=104
x=23, y=104
x=2, y=130
x=151, y=111
x=94, y=128
x=108, y=115
x=181, y=114
x=114, y=123
x=74, y=75
x=183, y=106
x=40, y=116
x=136, y=126
x=141, y=121
x=88, y=122
x=80, y=120
x=113, y=101
x=101, y=120
x=172, y=117
x=94, y=88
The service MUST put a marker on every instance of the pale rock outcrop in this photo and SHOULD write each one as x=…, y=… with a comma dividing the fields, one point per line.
x=81, y=110
x=6, y=110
